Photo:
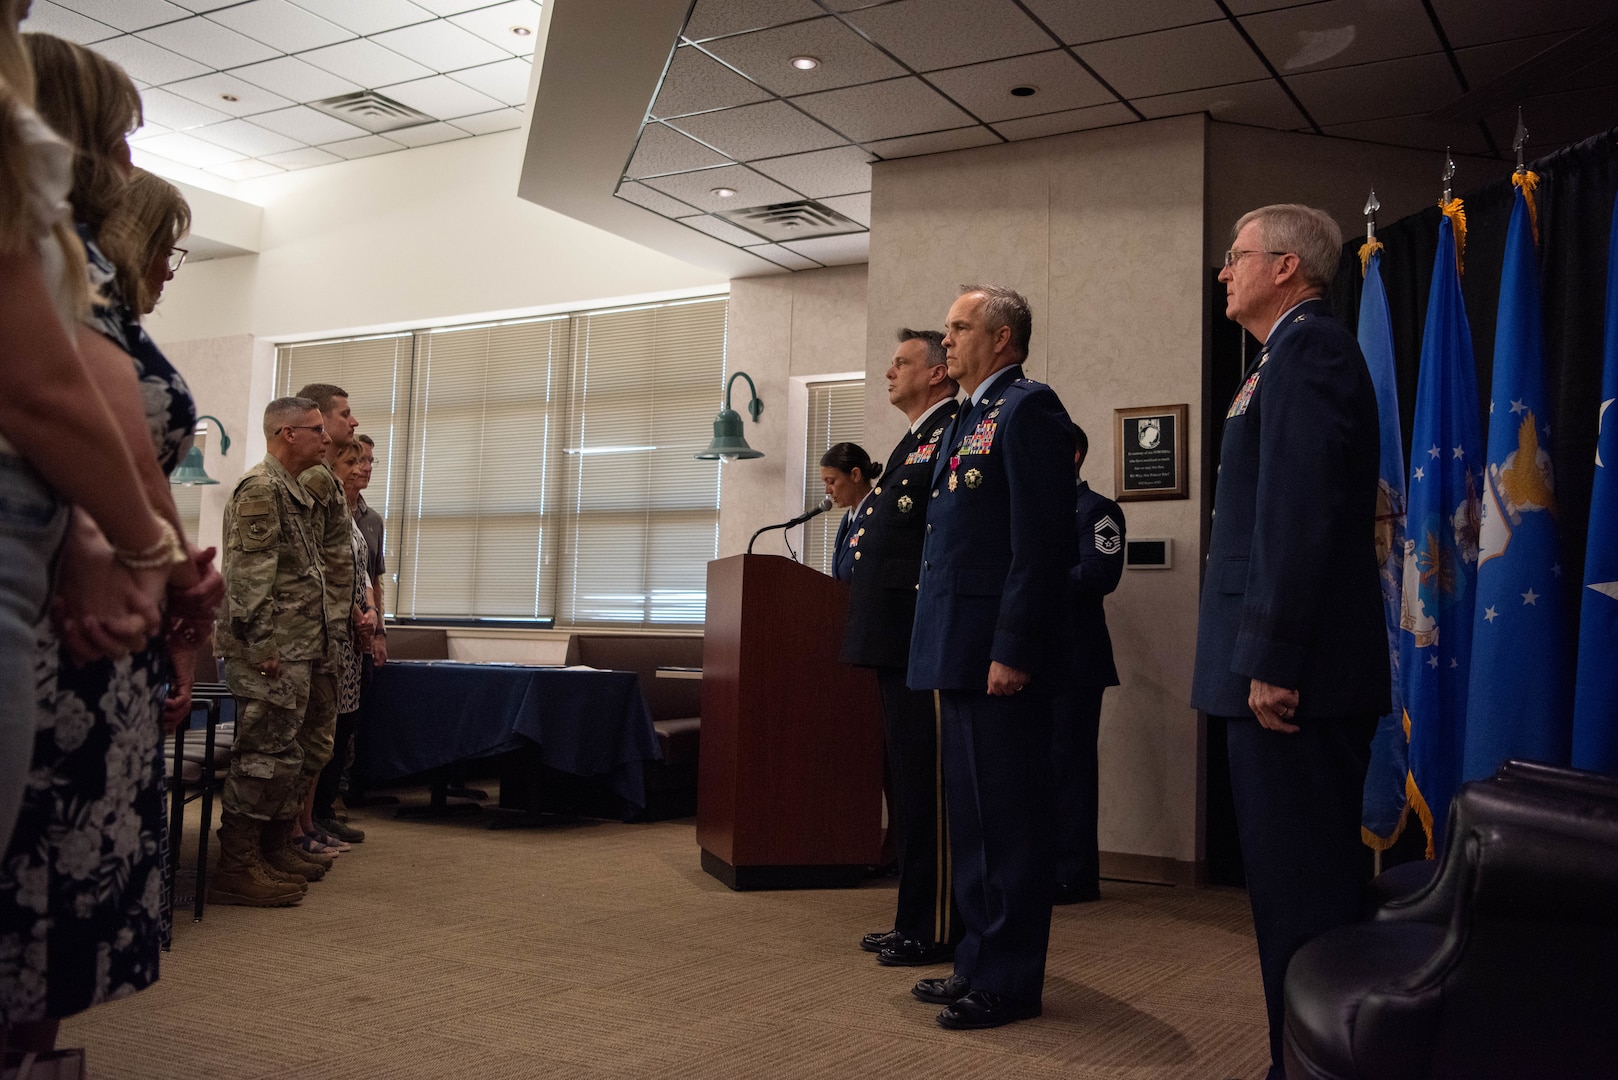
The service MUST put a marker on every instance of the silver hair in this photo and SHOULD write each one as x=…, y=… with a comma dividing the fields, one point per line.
x=1312, y=235
x=1006, y=307
x=286, y=410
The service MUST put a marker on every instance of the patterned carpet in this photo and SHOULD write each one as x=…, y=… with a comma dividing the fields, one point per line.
x=591, y=949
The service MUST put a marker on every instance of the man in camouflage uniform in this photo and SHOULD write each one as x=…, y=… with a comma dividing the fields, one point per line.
x=272, y=634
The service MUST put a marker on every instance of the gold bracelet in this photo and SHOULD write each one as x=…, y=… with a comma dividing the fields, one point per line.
x=167, y=551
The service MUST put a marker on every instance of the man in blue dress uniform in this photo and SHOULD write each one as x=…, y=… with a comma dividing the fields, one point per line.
x=989, y=637
x=881, y=611
x=1291, y=646
x=1078, y=712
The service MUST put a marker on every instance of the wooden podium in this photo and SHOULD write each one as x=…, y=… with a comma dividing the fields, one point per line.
x=789, y=789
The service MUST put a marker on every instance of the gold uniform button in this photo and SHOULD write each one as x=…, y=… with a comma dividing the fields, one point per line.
x=878, y=491
x=935, y=493
x=862, y=532
x=856, y=556
x=869, y=510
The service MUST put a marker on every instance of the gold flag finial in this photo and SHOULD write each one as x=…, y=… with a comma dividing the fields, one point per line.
x=1455, y=210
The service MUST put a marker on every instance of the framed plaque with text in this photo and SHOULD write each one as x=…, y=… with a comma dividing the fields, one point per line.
x=1150, y=453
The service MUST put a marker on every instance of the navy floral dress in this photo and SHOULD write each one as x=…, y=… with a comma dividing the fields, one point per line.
x=83, y=916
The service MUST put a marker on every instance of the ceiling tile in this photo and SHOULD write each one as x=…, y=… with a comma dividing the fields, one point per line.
x=884, y=110
x=1484, y=63
x=451, y=7
x=441, y=46
x=696, y=82
x=1558, y=119
x=367, y=16
x=147, y=130
x=305, y=158
x=217, y=90
x=935, y=142
x=245, y=170
x=189, y=151
x=985, y=89
x=295, y=80
x=201, y=6
x=307, y=125
x=197, y=36
x=1370, y=91
x=494, y=25
x=1261, y=103
x=783, y=257
x=365, y=146
x=441, y=97
x=65, y=23
x=1468, y=22
x=712, y=18
x=721, y=230
x=1419, y=132
x=365, y=63
x=1169, y=61
x=931, y=34
x=505, y=82
x=1078, y=23
x=127, y=15
x=655, y=201
x=835, y=250
x=1037, y=127
x=696, y=188
x=177, y=113
x=857, y=207
x=245, y=137
x=1341, y=32
x=146, y=62
x=768, y=129
x=490, y=122
x=427, y=134
x=837, y=171
x=281, y=24
x=663, y=150
x=845, y=57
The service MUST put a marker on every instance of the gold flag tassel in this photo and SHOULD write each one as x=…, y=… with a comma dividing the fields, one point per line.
x=1367, y=249
x=1455, y=210
x=1529, y=182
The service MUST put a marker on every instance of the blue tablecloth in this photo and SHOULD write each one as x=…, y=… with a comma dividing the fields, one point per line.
x=427, y=714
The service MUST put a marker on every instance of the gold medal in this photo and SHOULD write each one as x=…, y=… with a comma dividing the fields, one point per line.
x=952, y=481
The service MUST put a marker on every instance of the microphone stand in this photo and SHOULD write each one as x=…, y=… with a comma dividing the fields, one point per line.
x=825, y=504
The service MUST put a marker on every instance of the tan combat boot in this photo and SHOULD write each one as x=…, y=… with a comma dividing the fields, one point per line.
x=239, y=877
x=279, y=853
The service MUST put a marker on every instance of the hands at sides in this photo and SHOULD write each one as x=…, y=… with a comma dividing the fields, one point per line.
x=379, y=649
x=177, y=706
x=1273, y=705
x=102, y=608
x=364, y=628
x=1004, y=680
x=271, y=668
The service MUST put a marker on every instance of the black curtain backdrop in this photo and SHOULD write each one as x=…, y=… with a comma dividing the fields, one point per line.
x=1575, y=198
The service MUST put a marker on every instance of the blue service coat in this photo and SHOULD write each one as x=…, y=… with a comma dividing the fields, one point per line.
x=1100, y=566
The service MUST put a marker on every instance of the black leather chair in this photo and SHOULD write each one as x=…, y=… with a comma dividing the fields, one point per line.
x=1504, y=966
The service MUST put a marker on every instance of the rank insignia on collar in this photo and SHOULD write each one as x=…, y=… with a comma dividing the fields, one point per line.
x=1002, y=401
x=973, y=478
x=953, y=482
x=906, y=504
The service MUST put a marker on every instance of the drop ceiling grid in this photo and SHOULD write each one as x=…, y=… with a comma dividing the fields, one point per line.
x=226, y=82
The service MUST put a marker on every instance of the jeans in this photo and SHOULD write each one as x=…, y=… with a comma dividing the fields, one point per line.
x=32, y=523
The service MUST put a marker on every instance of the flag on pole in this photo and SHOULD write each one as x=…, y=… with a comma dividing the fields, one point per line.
x=1441, y=545
x=1385, y=804
x=1517, y=704
x=1595, y=700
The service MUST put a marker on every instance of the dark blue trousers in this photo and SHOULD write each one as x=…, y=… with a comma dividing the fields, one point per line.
x=1075, y=786
x=926, y=908
x=997, y=763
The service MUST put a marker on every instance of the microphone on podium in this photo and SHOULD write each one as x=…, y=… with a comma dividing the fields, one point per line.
x=820, y=508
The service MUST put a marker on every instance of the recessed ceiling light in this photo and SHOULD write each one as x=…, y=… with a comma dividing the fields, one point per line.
x=521, y=31
x=229, y=97
x=805, y=63
x=724, y=192
x=1024, y=91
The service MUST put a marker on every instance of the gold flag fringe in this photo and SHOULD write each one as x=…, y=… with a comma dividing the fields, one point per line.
x=1455, y=210
x=1383, y=843
x=1529, y=182
x=1418, y=803
x=1367, y=249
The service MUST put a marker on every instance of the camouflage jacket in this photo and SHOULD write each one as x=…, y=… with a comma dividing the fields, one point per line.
x=331, y=533
x=275, y=580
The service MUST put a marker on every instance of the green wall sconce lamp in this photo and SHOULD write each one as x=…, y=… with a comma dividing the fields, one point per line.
x=728, y=442
x=191, y=471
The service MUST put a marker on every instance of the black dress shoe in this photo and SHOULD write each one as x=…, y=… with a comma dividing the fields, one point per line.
x=985, y=1009
x=942, y=991
x=877, y=942
x=910, y=953
x=1077, y=894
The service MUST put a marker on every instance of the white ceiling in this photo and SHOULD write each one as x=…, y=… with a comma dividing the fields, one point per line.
x=898, y=78
x=226, y=83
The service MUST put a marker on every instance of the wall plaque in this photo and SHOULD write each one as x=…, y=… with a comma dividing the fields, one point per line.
x=1150, y=453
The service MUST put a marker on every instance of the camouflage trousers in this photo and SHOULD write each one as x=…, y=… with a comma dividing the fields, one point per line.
x=284, y=732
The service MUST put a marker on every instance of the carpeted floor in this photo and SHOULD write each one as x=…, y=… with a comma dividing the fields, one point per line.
x=590, y=949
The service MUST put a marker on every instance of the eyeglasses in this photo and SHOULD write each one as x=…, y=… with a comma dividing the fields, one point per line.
x=317, y=428
x=1234, y=255
x=177, y=259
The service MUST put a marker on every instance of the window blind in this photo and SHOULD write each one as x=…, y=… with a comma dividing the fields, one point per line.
x=836, y=414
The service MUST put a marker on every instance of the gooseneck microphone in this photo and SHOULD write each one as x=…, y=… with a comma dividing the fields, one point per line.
x=820, y=508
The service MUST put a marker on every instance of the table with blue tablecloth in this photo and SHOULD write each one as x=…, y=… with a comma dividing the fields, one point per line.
x=426, y=715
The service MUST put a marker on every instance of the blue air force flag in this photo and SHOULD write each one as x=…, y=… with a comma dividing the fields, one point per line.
x=1517, y=703
x=1382, y=814
x=1595, y=700
x=1441, y=545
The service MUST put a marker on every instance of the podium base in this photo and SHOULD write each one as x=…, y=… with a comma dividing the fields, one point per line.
x=745, y=878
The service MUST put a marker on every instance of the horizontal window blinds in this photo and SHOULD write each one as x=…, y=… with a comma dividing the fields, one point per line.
x=836, y=414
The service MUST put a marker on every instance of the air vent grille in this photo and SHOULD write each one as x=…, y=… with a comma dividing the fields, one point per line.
x=371, y=111
x=792, y=221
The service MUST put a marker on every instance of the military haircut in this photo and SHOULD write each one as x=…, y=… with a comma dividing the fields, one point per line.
x=285, y=411
x=934, y=341
x=1006, y=307
x=1081, y=441
x=1292, y=228
x=321, y=394
x=367, y=440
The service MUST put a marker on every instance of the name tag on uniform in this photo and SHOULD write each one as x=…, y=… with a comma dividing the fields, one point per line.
x=980, y=440
x=921, y=454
